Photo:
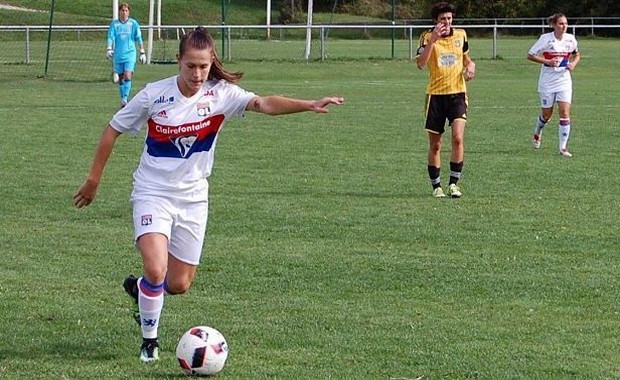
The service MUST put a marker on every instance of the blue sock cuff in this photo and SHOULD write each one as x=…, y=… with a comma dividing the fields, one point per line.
x=149, y=289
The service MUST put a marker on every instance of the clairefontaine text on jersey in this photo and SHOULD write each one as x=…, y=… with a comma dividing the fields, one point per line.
x=182, y=129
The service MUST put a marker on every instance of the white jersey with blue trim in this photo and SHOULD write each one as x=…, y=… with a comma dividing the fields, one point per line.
x=122, y=37
x=555, y=79
x=181, y=133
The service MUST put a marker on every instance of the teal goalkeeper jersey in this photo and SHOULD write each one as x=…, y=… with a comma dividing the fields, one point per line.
x=122, y=37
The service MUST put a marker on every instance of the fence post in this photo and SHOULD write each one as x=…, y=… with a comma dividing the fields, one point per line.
x=27, y=45
x=495, y=42
x=229, y=40
x=322, y=43
x=411, y=43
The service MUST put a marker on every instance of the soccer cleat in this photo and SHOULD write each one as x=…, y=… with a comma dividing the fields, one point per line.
x=130, y=284
x=536, y=141
x=149, y=351
x=454, y=191
x=565, y=153
x=438, y=193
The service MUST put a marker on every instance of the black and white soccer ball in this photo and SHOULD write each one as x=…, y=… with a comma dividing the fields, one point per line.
x=202, y=350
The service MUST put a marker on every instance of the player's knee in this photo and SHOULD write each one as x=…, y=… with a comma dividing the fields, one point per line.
x=434, y=144
x=155, y=274
x=177, y=287
x=546, y=115
x=457, y=141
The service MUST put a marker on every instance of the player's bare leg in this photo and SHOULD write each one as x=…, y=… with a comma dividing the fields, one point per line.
x=457, y=154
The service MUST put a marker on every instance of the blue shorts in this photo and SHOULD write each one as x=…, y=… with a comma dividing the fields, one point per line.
x=121, y=67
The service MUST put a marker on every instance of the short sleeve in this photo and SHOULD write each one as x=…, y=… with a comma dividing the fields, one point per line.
x=424, y=38
x=238, y=98
x=132, y=118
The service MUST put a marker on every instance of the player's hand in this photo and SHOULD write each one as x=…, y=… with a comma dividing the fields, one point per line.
x=142, y=57
x=439, y=31
x=320, y=105
x=109, y=54
x=470, y=71
x=85, y=194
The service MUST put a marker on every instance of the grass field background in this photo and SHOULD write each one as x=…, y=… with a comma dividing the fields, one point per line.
x=326, y=256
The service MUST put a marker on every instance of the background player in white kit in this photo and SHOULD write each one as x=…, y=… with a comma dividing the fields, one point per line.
x=183, y=115
x=555, y=85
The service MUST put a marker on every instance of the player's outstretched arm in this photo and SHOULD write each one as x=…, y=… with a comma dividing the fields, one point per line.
x=86, y=193
x=280, y=105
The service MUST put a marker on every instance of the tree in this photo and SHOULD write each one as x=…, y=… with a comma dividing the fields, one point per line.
x=291, y=12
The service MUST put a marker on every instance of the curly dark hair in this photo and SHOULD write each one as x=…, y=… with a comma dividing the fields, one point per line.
x=442, y=7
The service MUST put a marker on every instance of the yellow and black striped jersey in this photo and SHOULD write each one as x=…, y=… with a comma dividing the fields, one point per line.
x=445, y=65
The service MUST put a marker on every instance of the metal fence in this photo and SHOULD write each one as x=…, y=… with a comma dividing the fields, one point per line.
x=163, y=44
x=32, y=49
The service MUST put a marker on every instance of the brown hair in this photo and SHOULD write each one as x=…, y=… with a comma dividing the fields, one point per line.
x=551, y=20
x=440, y=8
x=201, y=39
x=123, y=5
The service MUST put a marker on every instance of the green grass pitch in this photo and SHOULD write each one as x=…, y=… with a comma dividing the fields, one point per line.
x=326, y=256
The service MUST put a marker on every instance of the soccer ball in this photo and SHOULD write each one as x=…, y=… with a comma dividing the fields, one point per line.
x=202, y=350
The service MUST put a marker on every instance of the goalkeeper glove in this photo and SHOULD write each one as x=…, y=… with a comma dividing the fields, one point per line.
x=109, y=53
x=142, y=57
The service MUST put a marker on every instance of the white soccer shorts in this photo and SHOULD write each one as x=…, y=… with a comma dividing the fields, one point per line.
x=548, y=99
x=183, y=222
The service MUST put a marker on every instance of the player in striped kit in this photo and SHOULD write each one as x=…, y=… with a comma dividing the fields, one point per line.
x=183, y=115
x=445, y=50
x=123, y=35
x=558, y=55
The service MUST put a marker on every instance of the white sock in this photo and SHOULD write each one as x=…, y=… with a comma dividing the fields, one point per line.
x=150, y=307
x=540, y=124
x=564, y=133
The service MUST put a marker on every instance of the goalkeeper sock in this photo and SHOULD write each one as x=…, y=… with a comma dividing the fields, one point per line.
x=125, y=88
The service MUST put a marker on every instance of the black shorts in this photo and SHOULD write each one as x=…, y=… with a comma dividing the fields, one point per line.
x=442, y=107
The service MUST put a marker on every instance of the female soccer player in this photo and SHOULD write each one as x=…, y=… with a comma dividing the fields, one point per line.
x=553, y=51
x=123, y=35
x=183, y=115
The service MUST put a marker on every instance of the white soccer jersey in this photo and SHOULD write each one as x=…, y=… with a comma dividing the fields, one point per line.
x=555, y=79
x=181, y=134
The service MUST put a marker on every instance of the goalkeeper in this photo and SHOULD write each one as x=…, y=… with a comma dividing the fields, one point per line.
x=123, y=35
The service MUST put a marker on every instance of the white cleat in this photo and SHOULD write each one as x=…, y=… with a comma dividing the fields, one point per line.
x=438, y=193
x=454, y=191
